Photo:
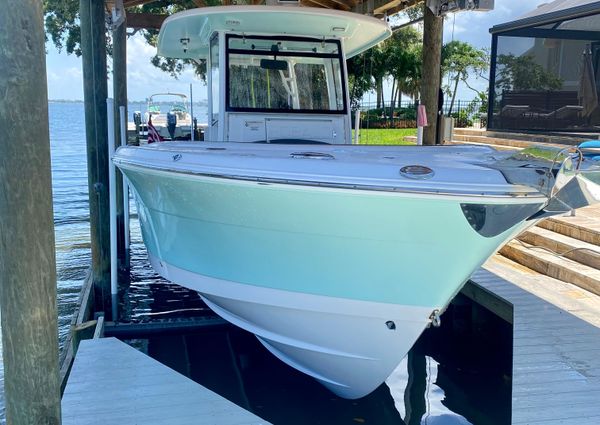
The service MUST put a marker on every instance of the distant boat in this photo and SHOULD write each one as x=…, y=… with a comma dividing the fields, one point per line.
x=335, y=256
x=170, y=116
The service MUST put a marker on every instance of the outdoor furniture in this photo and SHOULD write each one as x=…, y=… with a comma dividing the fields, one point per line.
x=514, y=110
x=565, y=112
x=543, y=110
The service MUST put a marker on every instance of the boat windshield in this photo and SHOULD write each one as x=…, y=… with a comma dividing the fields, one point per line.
x=284, y=75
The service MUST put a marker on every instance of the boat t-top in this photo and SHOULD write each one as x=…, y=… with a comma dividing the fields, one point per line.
x=169, y=115
x=336, y=256
x=275, y=74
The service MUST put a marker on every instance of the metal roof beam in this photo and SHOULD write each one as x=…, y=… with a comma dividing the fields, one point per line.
x=551, y=33
x=383, y=7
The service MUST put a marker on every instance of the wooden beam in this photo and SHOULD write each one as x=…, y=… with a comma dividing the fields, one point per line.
x=84, y=312
x=392, y=10
x=145, y=20
x=347, y=4
x=200, y=3
x=126, y=3
x=119, y=68
x=328, y=4
x=385, y=5
x=397, y=9
x=27, y=249
x=95, y=92
x=380, y=7
x=489, y=300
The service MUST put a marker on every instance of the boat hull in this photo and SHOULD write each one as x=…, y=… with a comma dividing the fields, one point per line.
x=349, y=346
x=337, y=283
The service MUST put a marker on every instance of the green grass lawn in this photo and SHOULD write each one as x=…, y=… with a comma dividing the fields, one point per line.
x=385, y=136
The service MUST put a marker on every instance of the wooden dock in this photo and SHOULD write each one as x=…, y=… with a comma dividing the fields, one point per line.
x=113, y=383
x=556, y=363
x=556, y=344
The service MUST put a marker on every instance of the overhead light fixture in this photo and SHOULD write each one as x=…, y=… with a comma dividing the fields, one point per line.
x=184, y=42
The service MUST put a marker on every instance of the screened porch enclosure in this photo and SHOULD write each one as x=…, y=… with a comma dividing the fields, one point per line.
x=545, y=70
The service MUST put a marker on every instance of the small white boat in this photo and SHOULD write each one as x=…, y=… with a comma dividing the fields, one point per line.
x=335, y=256
x=169, y=115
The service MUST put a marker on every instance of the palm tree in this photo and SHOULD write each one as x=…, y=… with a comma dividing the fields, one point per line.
x=460, y=60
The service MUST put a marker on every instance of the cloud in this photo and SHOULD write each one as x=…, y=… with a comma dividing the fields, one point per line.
x=65, y=79
x=143, y=78
x=473, y=27
x=64, y=75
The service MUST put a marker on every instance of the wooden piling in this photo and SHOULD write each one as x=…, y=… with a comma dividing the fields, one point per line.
x=93, y=49
x=119, y=38
x=431, y=80
x=27, y=256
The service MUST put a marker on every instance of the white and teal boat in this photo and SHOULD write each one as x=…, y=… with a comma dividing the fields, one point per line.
x=336, y=256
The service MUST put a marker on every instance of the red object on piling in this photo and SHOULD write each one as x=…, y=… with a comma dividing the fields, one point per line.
x=421, y=116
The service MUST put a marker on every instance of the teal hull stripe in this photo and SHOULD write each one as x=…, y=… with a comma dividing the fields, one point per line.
x=339, y=243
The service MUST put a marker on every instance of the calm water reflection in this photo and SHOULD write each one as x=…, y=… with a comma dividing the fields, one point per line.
x=450, y=377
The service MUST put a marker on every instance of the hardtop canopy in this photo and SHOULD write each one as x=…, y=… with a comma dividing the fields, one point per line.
x=186, y=35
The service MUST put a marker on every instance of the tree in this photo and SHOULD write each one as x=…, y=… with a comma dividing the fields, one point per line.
x=460, y=61
x=62, y=27
x=416, y=12
x=398, y=59
x=367, y=72
x=523, y=73
x=359, y=79
x=62, y=24
x=403, y=51
x=170, y=65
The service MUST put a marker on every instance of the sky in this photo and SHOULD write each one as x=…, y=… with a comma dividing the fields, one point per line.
x=65, y=77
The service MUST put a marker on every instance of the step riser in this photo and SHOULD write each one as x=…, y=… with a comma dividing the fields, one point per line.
x=492, y=140
x=582, y=256
x=567, y=274
x=571, y=230
x=497, y=147
x=531, y=138
x=541, y=138
x=469, y=132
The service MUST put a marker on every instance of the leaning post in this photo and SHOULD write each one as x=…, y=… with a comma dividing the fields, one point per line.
x=431, y=81
x=93, y=53
x=27, y=256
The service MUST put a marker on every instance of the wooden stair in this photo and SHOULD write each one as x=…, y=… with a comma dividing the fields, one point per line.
x=480, y=137
x=503, y=141
x=565, y=248
x=571, y=248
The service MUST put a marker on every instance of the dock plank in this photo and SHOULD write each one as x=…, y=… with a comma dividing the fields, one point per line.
x=556, y=345
x=112, y=382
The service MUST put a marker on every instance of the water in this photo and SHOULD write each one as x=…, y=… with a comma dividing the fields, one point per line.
x=452, y=376
x=71, y=208
x=445, y=381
